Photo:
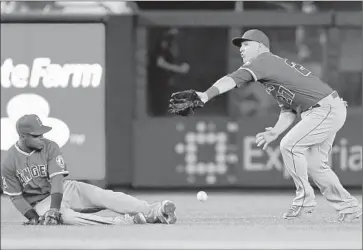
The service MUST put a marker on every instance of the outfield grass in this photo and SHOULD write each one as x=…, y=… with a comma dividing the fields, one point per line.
x=227, y=220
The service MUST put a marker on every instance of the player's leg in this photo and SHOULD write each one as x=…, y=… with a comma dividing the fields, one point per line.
x=296, y=165
x=83, y=197
x=327, y=181
x=314, y=128
x=71, y=217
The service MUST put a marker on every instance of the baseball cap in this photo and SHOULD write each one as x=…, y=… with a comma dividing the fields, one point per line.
x=252, y=35
x=31, y=124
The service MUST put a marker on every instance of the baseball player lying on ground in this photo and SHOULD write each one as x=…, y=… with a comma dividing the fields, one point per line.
x=297, y=90
x=33, y=174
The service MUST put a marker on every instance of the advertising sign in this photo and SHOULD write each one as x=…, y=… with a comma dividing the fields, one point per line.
x=218, y=152
x=57, y=71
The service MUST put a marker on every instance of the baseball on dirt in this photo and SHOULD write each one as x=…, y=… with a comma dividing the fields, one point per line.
x=202, y=196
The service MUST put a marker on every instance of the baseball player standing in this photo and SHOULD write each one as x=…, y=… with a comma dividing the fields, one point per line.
x=33, y=174
x=296, y=90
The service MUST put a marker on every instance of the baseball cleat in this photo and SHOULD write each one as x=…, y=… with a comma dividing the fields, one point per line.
x=162, y=212
x=348, y=217
x=167, y=212
x=139, y=218
x=152, y=215
x=296, y=212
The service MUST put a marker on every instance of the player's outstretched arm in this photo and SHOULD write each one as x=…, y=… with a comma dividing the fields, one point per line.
x=185, y=102
x=236, y=79
x=221, y=86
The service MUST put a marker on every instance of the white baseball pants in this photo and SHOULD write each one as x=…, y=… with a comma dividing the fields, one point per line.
x=316, y=132
x=82, y=200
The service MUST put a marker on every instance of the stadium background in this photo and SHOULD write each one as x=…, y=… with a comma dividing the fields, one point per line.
x=118, y=137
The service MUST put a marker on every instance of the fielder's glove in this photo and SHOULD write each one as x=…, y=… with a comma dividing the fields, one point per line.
x=52, y=217
x=185, y=102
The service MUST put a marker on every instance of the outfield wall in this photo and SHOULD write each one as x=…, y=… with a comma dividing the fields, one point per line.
x=202, y=152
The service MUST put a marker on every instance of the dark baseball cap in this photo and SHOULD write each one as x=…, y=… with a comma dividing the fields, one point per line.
x=31, y=124
x=252, y=35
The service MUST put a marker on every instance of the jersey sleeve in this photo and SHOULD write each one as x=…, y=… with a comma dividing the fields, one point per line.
x=241, y=77
x=256, y=69
x=9, y=182
x=56, y=163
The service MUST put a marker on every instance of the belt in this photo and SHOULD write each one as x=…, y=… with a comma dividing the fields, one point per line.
x=334, y=95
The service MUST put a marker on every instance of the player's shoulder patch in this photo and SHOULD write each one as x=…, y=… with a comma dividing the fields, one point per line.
x=60, y=161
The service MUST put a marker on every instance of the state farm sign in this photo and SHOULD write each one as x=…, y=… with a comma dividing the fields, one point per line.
x=50, y=75
x=56, y=70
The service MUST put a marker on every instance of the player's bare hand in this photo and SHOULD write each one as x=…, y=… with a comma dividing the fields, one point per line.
x=265, y=138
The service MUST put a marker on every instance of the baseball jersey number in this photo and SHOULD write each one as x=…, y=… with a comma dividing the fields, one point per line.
x=299, y=68
x=285, y=95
